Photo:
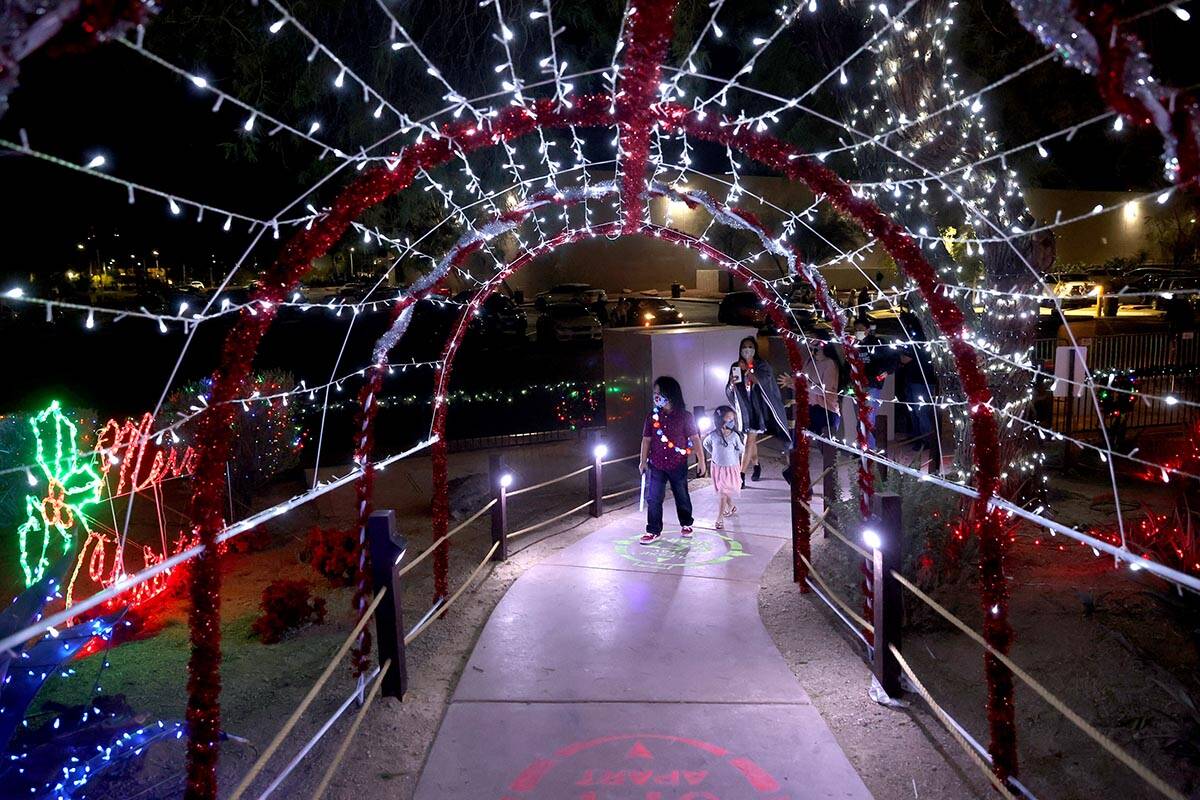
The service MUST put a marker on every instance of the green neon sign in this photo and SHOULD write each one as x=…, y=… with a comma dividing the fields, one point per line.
x=71, y=485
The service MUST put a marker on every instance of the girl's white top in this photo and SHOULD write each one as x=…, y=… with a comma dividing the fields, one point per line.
x=724, y=451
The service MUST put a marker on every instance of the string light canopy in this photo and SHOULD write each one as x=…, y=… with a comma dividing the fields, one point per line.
x=904, y=151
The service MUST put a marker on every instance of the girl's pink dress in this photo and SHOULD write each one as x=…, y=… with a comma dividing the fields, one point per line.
x=727, y=480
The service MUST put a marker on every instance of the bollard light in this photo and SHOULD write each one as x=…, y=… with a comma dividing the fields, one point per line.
x=600, y=451
x=705, y=424
x=506, y=480
x=871, y=538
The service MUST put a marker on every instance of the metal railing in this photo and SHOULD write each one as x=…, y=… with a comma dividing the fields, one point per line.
x=1153, y=365
x=389, y=567
x=884, y=652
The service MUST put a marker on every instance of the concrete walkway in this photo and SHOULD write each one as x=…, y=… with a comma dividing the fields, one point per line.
x=612, y=670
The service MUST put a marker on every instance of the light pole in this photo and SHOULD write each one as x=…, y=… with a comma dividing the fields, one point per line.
x=351, y=276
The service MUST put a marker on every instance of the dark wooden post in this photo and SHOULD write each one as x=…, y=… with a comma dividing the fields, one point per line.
x=499, y=475
x=829, y=483
x=387, y=548
x=801, y=520
x=886, y=546
x=596, y=478
x=881, y=443
x=935, y=446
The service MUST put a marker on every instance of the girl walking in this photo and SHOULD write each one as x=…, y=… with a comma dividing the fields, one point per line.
x=669, y=437
x=725, y=450
x=753, y=392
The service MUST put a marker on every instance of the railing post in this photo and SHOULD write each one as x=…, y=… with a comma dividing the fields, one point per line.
x=1069, y=412
x=881, y=443
x=596, y=478
x=829, y=483
x=935, y=446
x=801, y=520
x=885, y=539
x=387, y=548
x=500, y=478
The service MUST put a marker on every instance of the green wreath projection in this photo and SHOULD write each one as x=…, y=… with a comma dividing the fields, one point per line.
x=706, y=549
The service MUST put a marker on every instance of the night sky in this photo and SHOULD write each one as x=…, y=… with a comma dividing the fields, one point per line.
x=154, y=127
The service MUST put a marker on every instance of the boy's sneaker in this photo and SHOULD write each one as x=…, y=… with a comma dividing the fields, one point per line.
x=686, y=531
x=649, y=538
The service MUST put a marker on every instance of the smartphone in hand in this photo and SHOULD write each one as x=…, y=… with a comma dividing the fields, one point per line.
x=735, y=375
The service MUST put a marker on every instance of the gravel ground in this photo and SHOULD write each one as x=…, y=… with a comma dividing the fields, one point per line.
x=899, y=752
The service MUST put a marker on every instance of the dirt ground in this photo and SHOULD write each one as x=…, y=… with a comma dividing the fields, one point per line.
x=1116, y=647
x=1120, y=648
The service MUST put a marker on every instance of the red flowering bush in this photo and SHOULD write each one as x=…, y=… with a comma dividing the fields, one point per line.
x=287, y=605
x=330, y=551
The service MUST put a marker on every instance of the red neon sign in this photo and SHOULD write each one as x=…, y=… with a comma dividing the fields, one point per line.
x=143, y=465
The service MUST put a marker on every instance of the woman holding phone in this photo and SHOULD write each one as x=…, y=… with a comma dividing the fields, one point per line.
x=754, y=394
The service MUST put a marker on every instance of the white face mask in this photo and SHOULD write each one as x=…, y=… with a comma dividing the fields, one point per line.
x=860, y=335
x=747, y=353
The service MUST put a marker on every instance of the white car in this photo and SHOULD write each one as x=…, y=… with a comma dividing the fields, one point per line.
x=570, y=293
x=568, y=322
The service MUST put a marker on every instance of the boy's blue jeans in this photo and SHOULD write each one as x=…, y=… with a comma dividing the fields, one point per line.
x=656, y=492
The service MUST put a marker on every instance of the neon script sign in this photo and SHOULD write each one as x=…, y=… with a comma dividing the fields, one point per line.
x=142, y=466
x=126, y=458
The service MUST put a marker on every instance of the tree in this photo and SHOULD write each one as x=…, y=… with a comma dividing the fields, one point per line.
x=1176, y=231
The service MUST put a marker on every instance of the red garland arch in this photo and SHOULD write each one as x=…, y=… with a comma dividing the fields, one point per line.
x=801, y=487
x=376, y=185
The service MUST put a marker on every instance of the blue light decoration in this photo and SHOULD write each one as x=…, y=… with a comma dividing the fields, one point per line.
x=127, y=746
x=25, y=609
x=57, y=759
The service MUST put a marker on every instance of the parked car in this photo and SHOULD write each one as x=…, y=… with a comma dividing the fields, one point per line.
x=195, y=286
x=647, y=311
x=741, y=308
x=1073, y=289
x=570, y=293
x=1185, y=288
x=568, y=322
x=499, y=316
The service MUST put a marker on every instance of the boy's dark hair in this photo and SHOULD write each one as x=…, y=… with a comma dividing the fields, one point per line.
x=670, y=389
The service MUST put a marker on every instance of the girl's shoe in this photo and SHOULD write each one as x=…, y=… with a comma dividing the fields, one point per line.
x=757, y=474
x=685, y=531
x=649, y=538
x=732, y=510
x=720, y=523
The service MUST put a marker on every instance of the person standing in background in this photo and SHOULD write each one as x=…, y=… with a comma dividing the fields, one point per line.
x=879, y=361
x=669, y=437
x=823, y=372
x=753, y=393
x=918, y=387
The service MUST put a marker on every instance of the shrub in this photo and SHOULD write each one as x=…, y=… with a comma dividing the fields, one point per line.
x=269, y=435
x=287, y=606
x=330, y=551
x=936, y=553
